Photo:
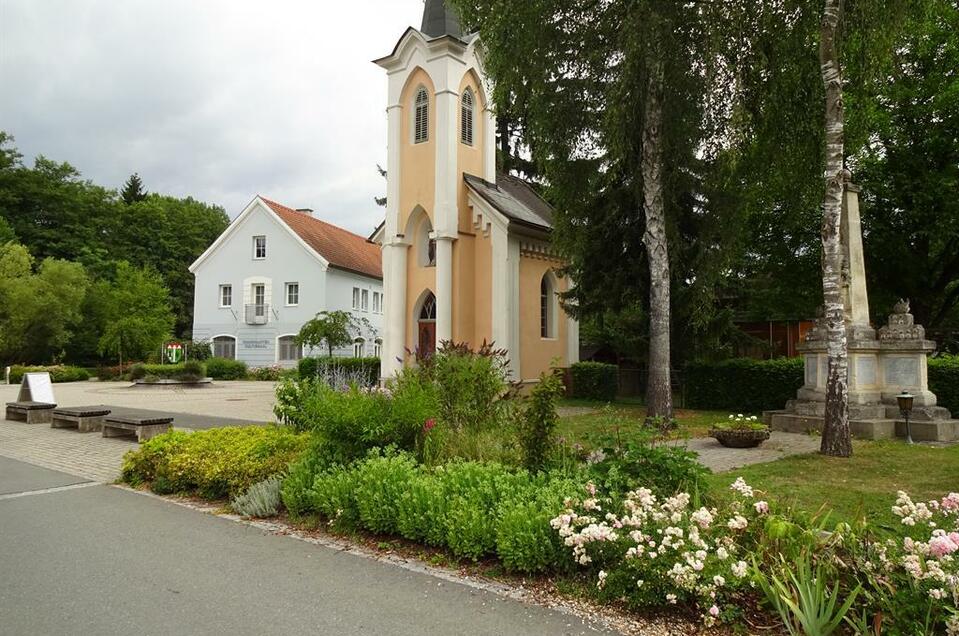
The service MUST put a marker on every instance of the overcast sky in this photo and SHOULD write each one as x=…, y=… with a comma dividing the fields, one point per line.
x=218, y=99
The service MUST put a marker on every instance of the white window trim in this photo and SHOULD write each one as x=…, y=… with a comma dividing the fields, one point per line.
x=356, y=298
x=220, y=300
x=365, y=300
x=286, y=294
x=361, y=343
x=260, y=258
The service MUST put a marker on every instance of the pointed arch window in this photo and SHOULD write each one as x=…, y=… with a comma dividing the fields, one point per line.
x=428, y=312
x=466, y=117
x=421, y=117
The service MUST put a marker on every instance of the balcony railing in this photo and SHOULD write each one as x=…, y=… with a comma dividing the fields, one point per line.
x=257, y=314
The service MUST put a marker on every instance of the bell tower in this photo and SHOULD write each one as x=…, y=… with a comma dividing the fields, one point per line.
x=440, y=127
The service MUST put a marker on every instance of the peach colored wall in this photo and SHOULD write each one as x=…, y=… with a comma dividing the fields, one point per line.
x=418, y=174
x=536, y=352
x=483, y=292
x=464, y=283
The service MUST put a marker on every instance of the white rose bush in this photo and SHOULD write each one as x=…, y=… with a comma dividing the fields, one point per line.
x=652, y=551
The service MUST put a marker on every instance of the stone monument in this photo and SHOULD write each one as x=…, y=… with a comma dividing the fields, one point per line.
x=881, y=365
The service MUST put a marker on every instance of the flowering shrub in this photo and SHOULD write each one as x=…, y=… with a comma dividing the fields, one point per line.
x=656, y=551
x=267, y=374
x=915, y=578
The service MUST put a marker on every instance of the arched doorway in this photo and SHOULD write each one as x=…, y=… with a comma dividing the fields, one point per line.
x=426, y=327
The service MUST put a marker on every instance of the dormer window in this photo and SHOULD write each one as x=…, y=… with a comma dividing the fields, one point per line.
x=466, y=117
x=421, y=117
x=259, y=247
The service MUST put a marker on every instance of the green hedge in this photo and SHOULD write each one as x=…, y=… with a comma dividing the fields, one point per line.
x=57, y=373
x=743, y=385
x=226, y=369
x=367, y=369
x=475, y=510
x=214, y=464
x=595, y=381
x=187, y=371
x=944, y=381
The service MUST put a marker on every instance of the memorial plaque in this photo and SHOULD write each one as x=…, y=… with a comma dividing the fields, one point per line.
x=866, y=371
x=812, y=362
x=902, y=371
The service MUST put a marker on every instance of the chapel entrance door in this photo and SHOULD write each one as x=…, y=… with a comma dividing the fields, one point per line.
x=426, y=336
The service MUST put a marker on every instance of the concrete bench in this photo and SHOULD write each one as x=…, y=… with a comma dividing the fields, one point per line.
x=86, y=419
x=30, y=412
x=143, y=428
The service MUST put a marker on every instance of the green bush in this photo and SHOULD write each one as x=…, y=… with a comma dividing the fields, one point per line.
x=226, y=369
x=472, y=386
x=473, y=509
x=539, y=421
x=261, y=501
x=365, y=371
x=743, y=385
x=58, y=373
x=595, y=381
x=215, y=463
x=944, y=381
x=267, y=374
x=190, y=371
x=351, y=423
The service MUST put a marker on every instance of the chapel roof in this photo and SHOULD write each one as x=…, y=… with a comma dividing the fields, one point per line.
x=514, y=198
x=341, y=248
x=440, y=20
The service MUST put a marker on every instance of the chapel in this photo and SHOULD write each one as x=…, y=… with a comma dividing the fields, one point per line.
x=466, y=250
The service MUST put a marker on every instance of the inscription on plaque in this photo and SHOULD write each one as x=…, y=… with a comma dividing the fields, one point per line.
x=256, y=344
x=902, y=372
x=866, y=370
x=812, y=362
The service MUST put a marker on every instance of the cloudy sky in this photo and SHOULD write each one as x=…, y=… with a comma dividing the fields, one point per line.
x=218, y=99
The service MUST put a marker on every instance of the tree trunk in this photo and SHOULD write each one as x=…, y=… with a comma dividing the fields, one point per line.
x=836, y=438
x=659, y=396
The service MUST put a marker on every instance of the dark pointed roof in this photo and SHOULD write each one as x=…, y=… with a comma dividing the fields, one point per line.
x=440, y=20
x=514, y=198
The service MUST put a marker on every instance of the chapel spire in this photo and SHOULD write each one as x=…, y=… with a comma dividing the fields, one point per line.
x=440, y=20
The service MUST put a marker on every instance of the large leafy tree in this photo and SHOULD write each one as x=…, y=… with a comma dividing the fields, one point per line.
x=167, y=234
x=136, y=313
x=39, y=310
x=909, y=171
x=331, y=329
x=620, y=108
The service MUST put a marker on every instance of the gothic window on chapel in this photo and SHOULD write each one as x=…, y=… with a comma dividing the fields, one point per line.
x=466, y=117
x=421, y=117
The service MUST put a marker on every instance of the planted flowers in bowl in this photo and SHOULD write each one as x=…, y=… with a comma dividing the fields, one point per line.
x=740, y=431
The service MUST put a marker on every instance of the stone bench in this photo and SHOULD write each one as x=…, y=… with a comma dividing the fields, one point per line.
x=30, y=412
x=87, y=419
x=143, y=428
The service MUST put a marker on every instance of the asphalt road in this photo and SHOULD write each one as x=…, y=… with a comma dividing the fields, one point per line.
x=99, y=560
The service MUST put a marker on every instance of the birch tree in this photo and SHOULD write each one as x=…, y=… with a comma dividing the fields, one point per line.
x=836, y=437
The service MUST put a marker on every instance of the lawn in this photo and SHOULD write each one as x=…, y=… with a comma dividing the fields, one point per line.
x=865, y=484
x=625, y=419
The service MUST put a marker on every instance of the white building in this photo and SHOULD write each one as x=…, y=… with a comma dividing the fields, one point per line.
x=274, y=269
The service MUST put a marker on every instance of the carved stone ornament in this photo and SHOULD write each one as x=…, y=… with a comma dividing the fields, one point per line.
x=902, y=325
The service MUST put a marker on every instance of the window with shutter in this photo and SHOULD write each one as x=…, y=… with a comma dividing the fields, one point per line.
x=466, y=117
x=421, y=120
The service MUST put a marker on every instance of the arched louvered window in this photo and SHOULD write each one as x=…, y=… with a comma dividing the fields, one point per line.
x=547, y=307
x=421, y=117
x=466, y=117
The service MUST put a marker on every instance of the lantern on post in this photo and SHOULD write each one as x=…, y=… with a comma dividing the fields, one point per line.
x=905, y=400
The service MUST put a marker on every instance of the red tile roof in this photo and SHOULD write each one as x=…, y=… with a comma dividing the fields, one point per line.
x=341, y=248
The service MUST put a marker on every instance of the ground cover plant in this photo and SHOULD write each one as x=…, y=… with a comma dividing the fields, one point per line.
x=213, y=464
x=190, y=371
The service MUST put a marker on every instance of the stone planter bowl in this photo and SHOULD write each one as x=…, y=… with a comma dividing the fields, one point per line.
x=739, y=439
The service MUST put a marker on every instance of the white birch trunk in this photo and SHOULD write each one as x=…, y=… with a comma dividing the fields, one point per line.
x=836, y=439
x=659, y=396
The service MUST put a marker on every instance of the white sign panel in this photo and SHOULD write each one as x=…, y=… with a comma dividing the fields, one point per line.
x=36, y=387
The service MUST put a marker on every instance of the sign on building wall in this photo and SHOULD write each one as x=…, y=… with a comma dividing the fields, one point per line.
x=256, y=344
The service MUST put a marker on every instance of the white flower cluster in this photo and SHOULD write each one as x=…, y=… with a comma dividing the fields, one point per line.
x=665, y=545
